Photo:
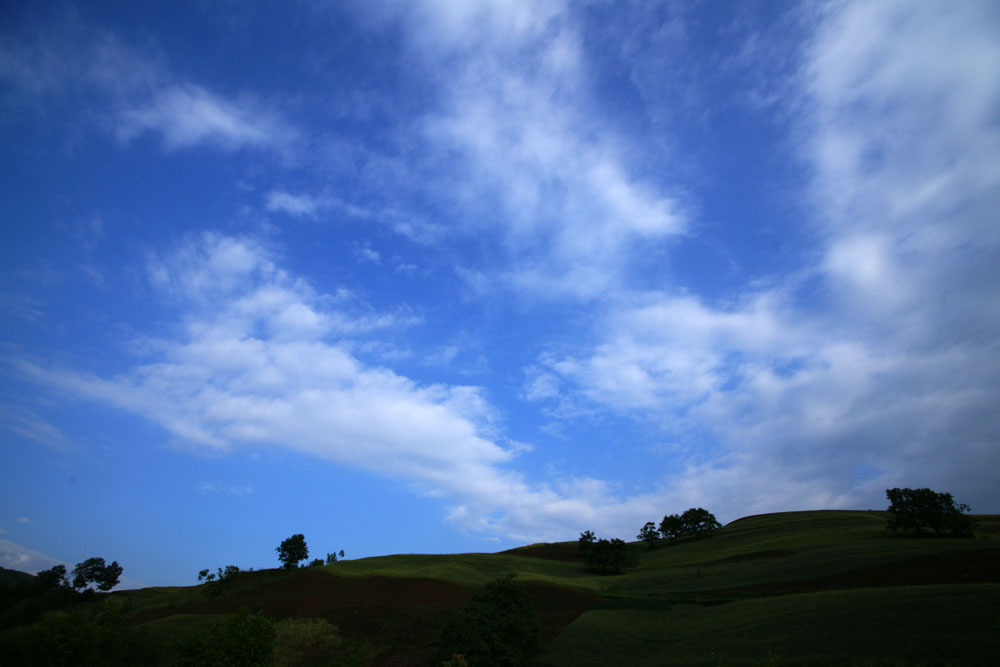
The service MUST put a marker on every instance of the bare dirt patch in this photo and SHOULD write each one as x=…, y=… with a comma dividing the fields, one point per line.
x=405, y=615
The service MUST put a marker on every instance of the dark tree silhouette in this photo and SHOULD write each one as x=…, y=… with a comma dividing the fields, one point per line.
x=698, y=521
x=94, y=571
x=920, y=510
x=586, y=541
x=496, y=627
x=607, y=556
x=293, y=550
x=649, y=534
x=672, y=527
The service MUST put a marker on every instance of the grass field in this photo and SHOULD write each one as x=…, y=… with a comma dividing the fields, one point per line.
x=796, y=588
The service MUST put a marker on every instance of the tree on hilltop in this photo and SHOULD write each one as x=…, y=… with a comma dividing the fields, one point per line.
x=586, y=542
x=292, y=550
x=698, y=521
x=95, y=571
x=649, y=534
x=607, y=556
x=694, y=521
x=919, y=510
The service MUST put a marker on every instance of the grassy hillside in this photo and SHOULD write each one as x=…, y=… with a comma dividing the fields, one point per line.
x=822, y=588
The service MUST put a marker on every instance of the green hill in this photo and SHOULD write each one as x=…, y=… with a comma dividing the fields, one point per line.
x=797, y=588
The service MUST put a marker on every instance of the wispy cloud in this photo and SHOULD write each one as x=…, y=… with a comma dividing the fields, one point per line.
x=132, y=90
x=25, y=520
x=887, y=378
x=226, y=488
x=187, y=115
x=16, y=557
x=534, y=165
x=29, y=425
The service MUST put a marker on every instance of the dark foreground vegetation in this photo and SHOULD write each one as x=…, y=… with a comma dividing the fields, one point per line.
x=797, y=588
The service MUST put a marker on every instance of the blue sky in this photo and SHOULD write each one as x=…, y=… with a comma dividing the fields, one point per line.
x=443, y=276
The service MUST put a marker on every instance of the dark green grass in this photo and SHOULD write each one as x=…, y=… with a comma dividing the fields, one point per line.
x=930, y=625
x=668, y=609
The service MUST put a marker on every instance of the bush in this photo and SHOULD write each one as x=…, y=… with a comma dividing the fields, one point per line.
x=607, y=556
x=919, y=510
x=497, y=627
x=242, y=640
x=98, y=635
x=220, y=583
x=305, y=641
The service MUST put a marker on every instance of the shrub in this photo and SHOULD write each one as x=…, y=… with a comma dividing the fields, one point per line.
x=919, y=510
x=242, y=640
x=607, y=557
x=98, y=635
x=305, y=641
x=496, y=627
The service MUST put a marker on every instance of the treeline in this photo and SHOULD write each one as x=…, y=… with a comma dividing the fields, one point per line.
x=611, y=556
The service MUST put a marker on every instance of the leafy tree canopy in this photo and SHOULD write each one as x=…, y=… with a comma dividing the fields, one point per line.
x=496, y=627
x=649, y=534
x=586, y=541
x=95, y=571
x=694, y=521
x=607, y=556
x=920, y=510
x=292, y=550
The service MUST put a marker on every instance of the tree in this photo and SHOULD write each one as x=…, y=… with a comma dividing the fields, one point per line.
x=919, y=510
x=93, y=570
x=694, y=521
x=607, y=556
x=672, y=527
x=292, y=550
x=54, y=577
x=649, y=534
x=698, y=521
x=586, y=542
x=496, y=627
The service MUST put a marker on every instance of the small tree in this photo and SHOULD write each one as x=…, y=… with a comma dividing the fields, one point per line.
x=649, y=534
x=293, y=550
x=919, y=510
x=54, y=577
x=698, y=521
x=93, y=570
x=607, y=556
x=586, y=542
x=672, y=527
x=496, y=627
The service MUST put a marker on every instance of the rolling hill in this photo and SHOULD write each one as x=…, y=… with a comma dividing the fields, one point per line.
x=795, y=588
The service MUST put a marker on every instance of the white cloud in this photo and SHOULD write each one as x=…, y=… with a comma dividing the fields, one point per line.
x=260, y=363
x=25, y=520
x=297, y=205
x=885, y=374
x=231, y=489
x=133, y=91
x=534, y=162
x=188, y=115
x=27, y=424
x=16, y=557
